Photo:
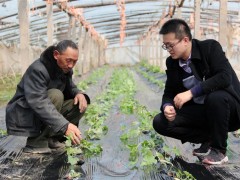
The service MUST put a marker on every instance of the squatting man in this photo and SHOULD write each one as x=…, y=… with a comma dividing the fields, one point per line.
x=47, y=104
x=201, y=100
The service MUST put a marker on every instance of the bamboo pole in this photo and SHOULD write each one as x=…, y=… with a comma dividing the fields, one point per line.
x=80, y=49
x=161, y=53
x=85, y=52
x=148, y=47
x=197, y=32
x=74, y=31
x=87, y=59
x=23, y=14
x=71, y=27
x=102, y=50
x=223, y=24
x=50, y=23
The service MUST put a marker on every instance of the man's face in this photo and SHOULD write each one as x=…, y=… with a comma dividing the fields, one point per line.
x=67, y=59
x=176, y=47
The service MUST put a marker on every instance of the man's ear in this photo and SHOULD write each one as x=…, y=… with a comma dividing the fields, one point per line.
x=186, y=39
x=56, y=54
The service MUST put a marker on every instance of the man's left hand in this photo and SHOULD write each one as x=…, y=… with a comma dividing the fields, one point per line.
x=182, y=98
x=81, y=100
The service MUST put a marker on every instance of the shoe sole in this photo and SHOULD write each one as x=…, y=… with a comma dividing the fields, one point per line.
x=26, y=150
x=206, y=161
x=201, y=154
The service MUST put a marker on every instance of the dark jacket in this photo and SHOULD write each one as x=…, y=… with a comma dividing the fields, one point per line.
x=30, y=108
x=209, y=65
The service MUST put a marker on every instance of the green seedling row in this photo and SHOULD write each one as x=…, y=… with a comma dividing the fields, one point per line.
x=142, y=140
x=92, y=79
x=153, y=69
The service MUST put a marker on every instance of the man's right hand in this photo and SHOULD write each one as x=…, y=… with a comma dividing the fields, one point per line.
x=74, y=133
x=170, y=113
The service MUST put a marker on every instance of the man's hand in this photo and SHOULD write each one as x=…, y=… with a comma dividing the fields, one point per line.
x=182, y=98
x=170, y=113
x=81, y=100
x=74, y=133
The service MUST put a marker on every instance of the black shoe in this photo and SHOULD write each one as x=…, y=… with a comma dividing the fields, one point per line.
x=56, y=147
x=236, y=133
x=81, y=160
x=37, y=150
x=203, y=150
x=54, y=143
x=215, y=157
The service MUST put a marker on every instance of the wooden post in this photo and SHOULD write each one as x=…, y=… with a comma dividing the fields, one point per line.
x=93, y=58
x=73, y=36
x=71, y=27
x=157, y=50
x=80, y=50
x=102, y=49
x=230, y=38
x=85, y=48
x=23, y=14
x=97, y=55
x=140, y=50
x=147, y=47
x=223, y=24
x=89, y=51
x=154, y=53
x=197, y=31
x=100, y=52
x=50, y=23
x=86, y=64
x=144, y=51
x=179, y=12
x=99, y=49
x=151, y=49
x=161, y=53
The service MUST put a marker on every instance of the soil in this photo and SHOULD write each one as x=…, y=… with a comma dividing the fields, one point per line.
x=113, y=163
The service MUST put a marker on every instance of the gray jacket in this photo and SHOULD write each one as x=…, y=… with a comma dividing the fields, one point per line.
x=30, y=108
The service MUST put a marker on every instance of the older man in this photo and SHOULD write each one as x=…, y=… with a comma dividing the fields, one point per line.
x=47, y=104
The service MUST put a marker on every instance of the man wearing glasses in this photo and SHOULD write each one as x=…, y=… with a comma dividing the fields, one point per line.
x=201, y=100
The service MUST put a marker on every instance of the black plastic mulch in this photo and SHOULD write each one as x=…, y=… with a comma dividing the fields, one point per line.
x=113, y=163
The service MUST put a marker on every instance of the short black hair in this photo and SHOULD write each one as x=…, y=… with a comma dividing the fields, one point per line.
x=177, y=26
x=64, y=44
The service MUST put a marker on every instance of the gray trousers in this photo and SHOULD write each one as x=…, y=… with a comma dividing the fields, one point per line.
x=67, y=108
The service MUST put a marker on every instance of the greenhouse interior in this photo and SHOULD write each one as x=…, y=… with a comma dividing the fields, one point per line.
x=119, y=72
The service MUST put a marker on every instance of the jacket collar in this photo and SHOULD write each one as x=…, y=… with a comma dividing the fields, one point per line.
x=196, y=55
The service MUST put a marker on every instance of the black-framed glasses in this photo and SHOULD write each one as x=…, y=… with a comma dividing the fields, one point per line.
x=169, y=47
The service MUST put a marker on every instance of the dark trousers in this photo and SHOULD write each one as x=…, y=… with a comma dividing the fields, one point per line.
x=197, y=123
x=67, y=108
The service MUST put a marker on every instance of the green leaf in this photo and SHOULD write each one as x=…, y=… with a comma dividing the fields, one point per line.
x=72, y=160
x=148, y=157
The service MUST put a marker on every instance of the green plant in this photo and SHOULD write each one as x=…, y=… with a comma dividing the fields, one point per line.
x=142, y=151
x=85, y=147
x=97, y=112
x=159, y=83
x=3, y=133
x=183, y=175
x=8, y=85
x=92, y=79
x=127, y=105
x=151, y=68
x=72, y=151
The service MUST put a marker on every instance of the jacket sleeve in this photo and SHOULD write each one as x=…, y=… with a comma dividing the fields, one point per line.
x=219, y=70
x=35, y=87
x=170, y=84
x=71, y=89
